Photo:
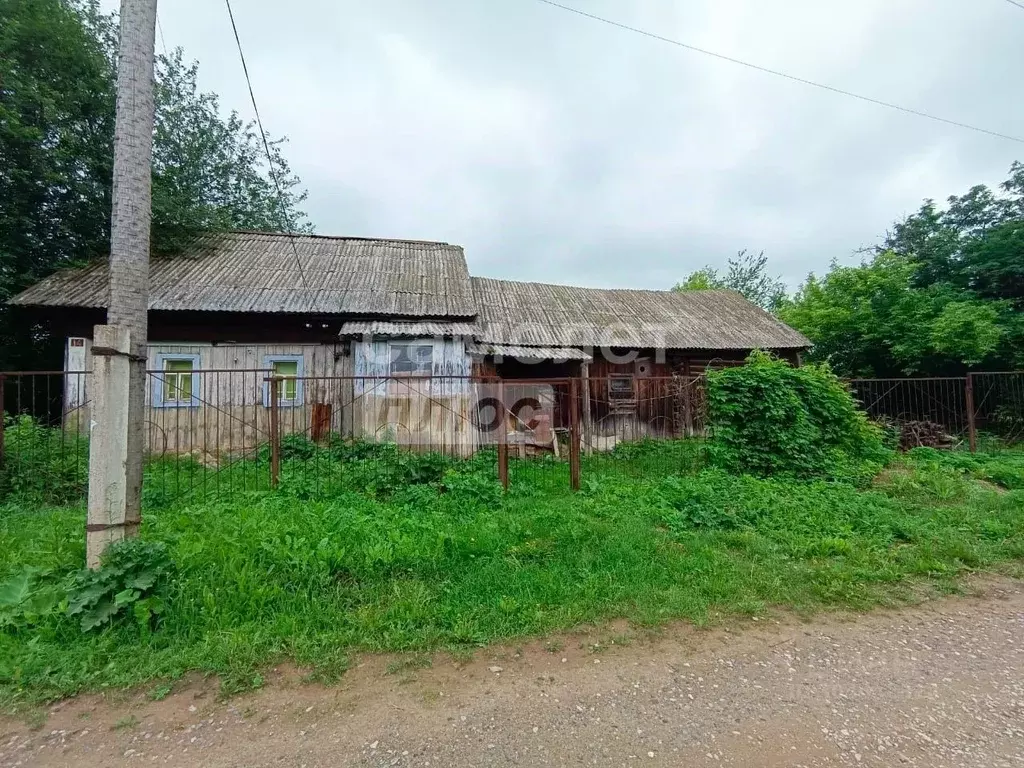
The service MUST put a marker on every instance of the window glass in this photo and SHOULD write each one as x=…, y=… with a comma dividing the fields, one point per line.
x=288, y=370
x=620, y=387
x=177, y=381
x=412, y=359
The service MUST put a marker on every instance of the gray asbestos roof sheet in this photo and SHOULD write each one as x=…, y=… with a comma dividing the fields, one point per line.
x=259, y=272
x=407, y=329
x=538, y=314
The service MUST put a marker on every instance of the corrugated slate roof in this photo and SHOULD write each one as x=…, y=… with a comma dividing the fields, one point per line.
x=257, y=272
x=528, y=353
x=410, y=329
x=539, y=314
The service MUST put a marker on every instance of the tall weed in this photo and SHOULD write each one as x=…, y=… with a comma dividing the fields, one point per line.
x=46, y=465
x=771, y=419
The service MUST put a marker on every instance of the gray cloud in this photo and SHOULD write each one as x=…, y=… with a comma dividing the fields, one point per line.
x=558, y=149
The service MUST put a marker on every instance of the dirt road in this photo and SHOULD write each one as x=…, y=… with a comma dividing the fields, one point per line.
x=937, y=685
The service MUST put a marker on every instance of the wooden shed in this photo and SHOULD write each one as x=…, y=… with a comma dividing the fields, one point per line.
x=393, y=340
x=639, y=353
x=352, y=325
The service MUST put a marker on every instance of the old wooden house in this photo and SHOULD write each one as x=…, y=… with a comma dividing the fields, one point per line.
x=392, y=339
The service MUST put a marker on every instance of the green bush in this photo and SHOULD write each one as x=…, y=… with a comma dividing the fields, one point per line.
x=297, y=447
x=380, y=470
x=357, y=449
x=677, y=456
x=771, y=419
x=132, y=577
x=43, y=464
x=131, y=581
x=475, y=485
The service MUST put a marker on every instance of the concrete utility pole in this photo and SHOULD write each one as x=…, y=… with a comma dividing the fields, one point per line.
x=119, y=347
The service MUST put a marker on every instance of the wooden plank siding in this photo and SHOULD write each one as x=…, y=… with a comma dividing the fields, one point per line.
x=348, y=389
x=436, y=414
x=668, y=397
x=231, y=416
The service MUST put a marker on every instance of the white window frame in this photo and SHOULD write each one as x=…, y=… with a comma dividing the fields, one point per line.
x=268, y=364
x=160, y=381
x=411, y=343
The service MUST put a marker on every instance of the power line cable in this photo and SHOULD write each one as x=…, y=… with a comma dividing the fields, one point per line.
x=777, y=73
x=266, y=147
x=1014, y=2
x=160, y=29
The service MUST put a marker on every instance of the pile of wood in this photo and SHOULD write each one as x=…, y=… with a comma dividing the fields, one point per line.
x=927, y=434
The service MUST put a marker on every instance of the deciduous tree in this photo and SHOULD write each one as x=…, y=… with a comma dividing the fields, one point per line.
x=57, y=74
x=746, y=273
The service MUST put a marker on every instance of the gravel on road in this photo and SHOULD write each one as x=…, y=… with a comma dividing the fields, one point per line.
x=940, y=684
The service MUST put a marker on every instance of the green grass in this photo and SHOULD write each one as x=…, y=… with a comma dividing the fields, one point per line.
x=443, y=560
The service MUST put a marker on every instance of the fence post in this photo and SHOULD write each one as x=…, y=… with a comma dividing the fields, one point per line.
x=588, y=424
x=2, y=419
x=111, y=516
x=972, y=434
x=275, y=431
x=502, y=437
x=688, y=406
x=574, y=433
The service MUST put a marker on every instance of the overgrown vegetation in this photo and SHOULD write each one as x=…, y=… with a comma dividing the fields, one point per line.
x=132, y=577
x=770, y=418
x=42, y=464
x=439, y=564
x=368, y=547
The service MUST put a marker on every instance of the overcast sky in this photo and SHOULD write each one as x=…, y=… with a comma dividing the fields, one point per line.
x=558, y=149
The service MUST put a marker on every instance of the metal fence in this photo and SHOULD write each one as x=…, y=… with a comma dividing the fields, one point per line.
x=979, y=408
x=223, y=432
x=997, y=406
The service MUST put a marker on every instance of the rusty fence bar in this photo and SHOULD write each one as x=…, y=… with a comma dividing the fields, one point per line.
x=999, y=407
x=43, y=452
x=3, y=419
x=972, y=432
x=981, y=410
x=219, y=432
x=574, y=434
x=933, y=409
x=275, y=431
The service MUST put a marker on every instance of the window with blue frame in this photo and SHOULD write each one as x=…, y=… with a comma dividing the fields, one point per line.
x=176, y=382
x=289, y=369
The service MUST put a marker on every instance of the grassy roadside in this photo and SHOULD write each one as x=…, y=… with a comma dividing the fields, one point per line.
x=420, y=566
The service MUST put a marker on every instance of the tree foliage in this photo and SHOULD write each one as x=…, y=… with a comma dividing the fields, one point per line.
x=746, y=273
x=870, y=320
x=56, y=155
x=942, y=292
x=210, y=173
x=57, y=86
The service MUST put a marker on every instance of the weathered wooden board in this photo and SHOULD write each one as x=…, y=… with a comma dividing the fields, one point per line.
x=231, y=415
